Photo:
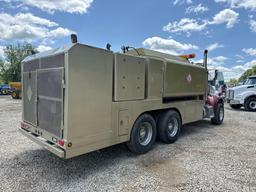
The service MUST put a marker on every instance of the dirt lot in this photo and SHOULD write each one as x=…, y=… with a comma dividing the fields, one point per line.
x=205, y=158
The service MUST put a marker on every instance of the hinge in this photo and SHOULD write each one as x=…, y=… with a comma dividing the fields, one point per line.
x=63, y=83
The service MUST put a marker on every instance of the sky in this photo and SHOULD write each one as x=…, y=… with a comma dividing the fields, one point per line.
x=227, y=28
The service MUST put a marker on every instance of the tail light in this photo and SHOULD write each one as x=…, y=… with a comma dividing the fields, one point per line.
x=61, y=143
x=22, y=125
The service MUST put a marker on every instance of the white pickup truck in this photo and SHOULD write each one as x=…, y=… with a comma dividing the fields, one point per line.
x=243, y=95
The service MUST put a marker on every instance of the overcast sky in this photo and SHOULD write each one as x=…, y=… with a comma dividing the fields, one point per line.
x=226, y=27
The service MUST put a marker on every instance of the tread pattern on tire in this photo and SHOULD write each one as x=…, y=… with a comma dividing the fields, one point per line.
x=133, y=145
x=235, y=106
x=162, y=126
x=247, y=104
x=216, y=119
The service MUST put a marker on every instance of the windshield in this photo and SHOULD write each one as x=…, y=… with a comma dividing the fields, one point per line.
x=250, y=81
x=220, y=76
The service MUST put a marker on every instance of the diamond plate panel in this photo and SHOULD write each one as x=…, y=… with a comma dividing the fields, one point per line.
x=52, y=62
x=31, y=66
x=49, y=82
x=29, y=97
x=49, y=115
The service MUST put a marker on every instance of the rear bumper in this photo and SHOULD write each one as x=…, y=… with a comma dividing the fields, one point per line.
x=42, y=142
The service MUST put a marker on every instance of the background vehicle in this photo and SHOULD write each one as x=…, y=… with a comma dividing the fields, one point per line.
x=4, y=89
x=216, y=79
x=243, y=95
x=15, y=90
x=131, y=97
x=241, y=82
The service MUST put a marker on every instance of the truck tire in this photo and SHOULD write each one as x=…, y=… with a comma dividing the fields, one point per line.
x=218, y=115
x=238, y=106
x=143, y=135
x=14, y=95
x=169, y=126
x=4, y=92
x=250, y=104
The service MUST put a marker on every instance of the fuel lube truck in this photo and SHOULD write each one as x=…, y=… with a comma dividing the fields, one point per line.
x=80, y=98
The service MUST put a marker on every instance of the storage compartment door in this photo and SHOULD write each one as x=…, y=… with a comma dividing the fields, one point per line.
x=129, y=78
x=50, y=100
x=29, y=98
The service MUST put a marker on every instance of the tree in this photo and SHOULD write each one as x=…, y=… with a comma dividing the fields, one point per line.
x=248, y=73
x=233, y=82
x=10, y=66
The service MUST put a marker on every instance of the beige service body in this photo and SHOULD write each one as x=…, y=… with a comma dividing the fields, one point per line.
x=81, y=99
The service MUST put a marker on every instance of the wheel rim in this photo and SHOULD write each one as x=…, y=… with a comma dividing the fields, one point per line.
x=221, y=114
x=173, y=127
x=252, y=105
x=145, y=133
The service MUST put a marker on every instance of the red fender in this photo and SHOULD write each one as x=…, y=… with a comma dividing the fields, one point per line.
x=213, y=101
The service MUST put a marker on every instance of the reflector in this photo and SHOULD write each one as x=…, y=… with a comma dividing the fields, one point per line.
x=61, y=142
x=22, y=125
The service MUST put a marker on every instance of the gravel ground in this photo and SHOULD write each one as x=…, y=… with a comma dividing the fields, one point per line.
x=205, y=158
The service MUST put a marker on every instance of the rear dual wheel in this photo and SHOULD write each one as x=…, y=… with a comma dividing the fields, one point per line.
x=143, y=134
x=144, y=131
x=169, y=126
